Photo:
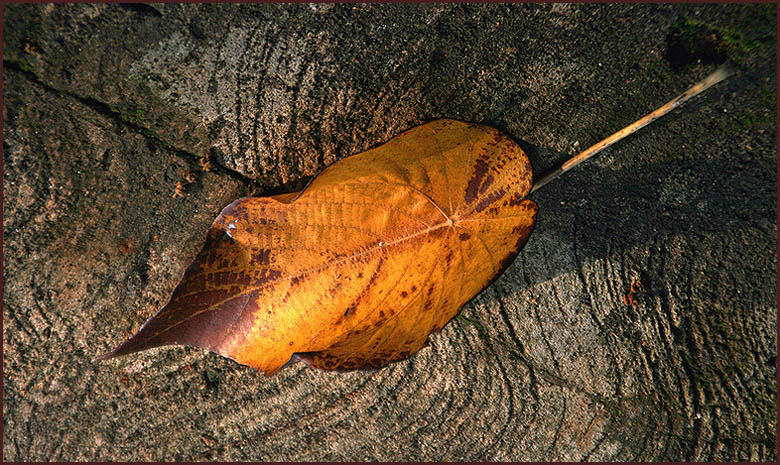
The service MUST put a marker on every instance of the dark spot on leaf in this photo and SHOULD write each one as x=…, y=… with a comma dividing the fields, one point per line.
x=490, y=199
x=480, y=169
x=486, y=184
x=261, y=257
x=267, y=275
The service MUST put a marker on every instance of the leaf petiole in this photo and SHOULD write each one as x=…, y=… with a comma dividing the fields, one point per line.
x=723, y=72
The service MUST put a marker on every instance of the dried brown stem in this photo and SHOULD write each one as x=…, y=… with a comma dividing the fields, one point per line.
x=718, y=75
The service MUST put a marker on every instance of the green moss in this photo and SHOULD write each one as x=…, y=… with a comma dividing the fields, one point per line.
x=747, y=122
x=470, y=321
x=737, y=42
x=130, y=116
x=738, y=45
x=135, y=118
x=691, y=41
x=25, y=66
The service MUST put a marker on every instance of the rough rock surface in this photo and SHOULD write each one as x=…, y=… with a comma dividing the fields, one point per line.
x=107, y=107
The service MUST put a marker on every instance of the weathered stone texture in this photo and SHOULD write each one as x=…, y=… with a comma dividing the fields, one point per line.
x=107, y=106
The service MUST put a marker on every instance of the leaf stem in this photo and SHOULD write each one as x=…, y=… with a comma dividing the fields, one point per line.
x=718, y=75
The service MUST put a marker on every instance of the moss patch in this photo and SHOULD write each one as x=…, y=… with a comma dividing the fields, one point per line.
x=134, y=116
x=25, y=66
x=691, y=41
x=747, y=122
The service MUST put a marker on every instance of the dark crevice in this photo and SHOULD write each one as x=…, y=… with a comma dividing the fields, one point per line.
x=590, y=305
x=536, y=372
x=510, y=395
x=558, y=427
x=596, y=447
x=109, y=112
x=142, y=8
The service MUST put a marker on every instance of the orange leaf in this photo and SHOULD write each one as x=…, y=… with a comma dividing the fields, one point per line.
x=357, y=270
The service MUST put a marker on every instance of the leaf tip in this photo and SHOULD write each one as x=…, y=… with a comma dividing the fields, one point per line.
x=119, y=351
x=135, y=343
x=102, y=357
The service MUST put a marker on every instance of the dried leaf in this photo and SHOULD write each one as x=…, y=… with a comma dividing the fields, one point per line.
x=357, y=270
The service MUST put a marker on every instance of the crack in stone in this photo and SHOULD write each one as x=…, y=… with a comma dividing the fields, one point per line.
x=106, y=110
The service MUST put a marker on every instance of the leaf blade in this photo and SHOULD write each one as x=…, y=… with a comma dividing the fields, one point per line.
x=381, y=249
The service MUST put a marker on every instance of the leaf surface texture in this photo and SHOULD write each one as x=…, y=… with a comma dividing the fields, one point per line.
x=357, y=270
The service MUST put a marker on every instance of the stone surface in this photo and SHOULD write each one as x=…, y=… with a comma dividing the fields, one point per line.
x=107, y=106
